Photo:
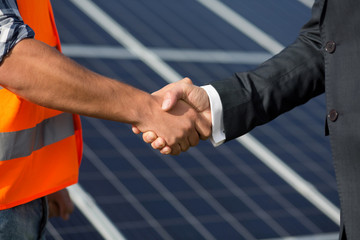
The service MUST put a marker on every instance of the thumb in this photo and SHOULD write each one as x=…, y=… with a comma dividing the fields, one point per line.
x=179, y=91
x=186, y=80
x=170, y=99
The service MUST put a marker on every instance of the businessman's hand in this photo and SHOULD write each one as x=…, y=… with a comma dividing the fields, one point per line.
x=191, y=94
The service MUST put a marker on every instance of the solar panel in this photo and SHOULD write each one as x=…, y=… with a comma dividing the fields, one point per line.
x=206, y=193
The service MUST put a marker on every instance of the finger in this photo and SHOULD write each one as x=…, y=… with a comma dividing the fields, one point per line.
x=165, y=150
x=186, y=80
x=159, y=143
x=184, y=145
x=175, y=149
x=149, y=137
x=179, y=91
x=193, y=139
x=53, y=209
x=135, y=129
x=65, y=204
x=68, y=209
x=163, y=90
x=170, y=98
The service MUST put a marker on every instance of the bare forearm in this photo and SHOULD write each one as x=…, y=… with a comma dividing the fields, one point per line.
x=38, y=73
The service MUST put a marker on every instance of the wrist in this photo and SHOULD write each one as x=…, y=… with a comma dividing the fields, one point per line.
x=146, y=112
x=216, y=115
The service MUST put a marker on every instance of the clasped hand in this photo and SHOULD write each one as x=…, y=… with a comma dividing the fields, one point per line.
x=190, y=118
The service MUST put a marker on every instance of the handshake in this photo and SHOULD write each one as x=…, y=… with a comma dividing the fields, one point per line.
x=185, y=117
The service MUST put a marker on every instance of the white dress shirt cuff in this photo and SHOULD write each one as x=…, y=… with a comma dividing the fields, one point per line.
x=218, y=135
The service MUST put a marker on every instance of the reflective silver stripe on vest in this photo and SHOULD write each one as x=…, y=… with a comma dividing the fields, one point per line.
x=23, y=143
x=1, y=87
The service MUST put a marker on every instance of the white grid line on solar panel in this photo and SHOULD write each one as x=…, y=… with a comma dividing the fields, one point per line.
x=109, y=175
x=121, y=35
x=238, y=192
x=282, y=19
x=86, y=204
x=300, y=154
x=243, y=25
x=307, y=3
x=52, y=230
x=289, y=175
x=179, y=55
x=68, y=232
x=70, y=23
x=309, y=145
x=303, y=164
x=108, y=135
x=209, y=198
x=321, y=154
x=268, y=188
x=321, y=236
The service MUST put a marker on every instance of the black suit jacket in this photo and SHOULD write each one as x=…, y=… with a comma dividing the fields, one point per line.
x=324, y=58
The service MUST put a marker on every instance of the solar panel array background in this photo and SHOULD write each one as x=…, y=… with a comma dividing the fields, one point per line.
x=226, y=190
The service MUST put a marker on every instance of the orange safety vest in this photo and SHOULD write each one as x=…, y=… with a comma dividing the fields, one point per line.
x=40, y=148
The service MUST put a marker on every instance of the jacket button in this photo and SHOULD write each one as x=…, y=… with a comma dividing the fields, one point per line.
x=330, y=47
x=333, y=115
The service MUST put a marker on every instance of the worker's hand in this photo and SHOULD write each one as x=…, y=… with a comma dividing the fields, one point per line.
x=60, y=204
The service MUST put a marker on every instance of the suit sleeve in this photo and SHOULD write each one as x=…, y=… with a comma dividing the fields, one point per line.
x=287, y=80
